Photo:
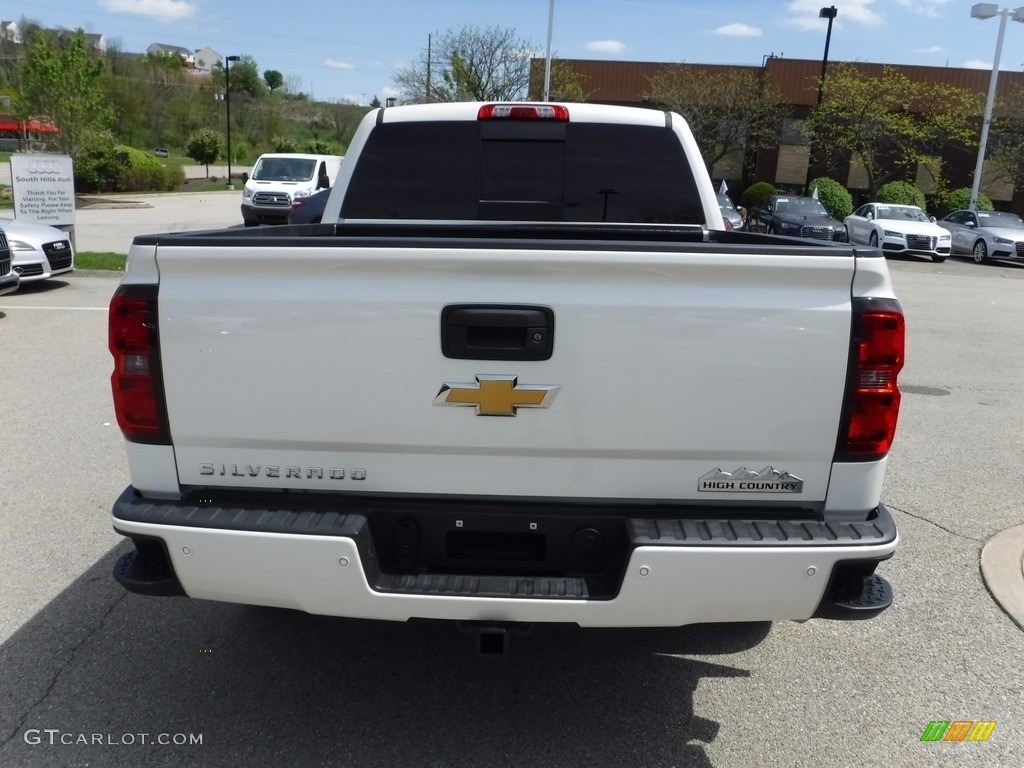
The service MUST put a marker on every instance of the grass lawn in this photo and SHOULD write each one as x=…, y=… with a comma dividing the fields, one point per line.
x=112, y=262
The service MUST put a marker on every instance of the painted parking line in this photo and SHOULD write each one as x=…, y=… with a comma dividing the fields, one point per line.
x=75, y=309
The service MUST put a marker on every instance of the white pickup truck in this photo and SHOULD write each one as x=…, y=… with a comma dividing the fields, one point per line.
x=525, y=374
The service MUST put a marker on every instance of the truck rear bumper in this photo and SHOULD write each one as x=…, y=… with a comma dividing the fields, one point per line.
x=674, y=571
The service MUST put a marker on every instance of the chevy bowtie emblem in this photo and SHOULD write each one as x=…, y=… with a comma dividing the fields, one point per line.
x=493, y=395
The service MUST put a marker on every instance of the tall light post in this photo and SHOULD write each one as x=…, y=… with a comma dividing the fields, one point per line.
x=987, y=11
x=825, y=13
x=227, y=102
x=547, y=56
x=813, y=155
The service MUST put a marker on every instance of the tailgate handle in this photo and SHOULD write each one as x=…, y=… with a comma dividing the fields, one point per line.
x=497, y=332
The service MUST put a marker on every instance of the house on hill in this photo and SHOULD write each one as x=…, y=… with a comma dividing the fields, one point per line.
x=160, y=49
x=208, y=60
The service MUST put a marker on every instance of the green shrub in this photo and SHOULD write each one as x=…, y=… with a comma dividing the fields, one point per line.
x=174, y=178
x=137, y=158
x=900, y=193
x=959, y=199
x=147, y=179
x=755, y=192
x=833, y=196
x=97, y=167
x=283, y=144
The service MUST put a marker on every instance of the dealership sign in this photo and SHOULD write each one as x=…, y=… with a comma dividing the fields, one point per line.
x=44, y=188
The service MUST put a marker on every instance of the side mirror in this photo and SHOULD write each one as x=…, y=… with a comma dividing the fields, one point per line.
x=932, y=219
x=245, y=176
x=870, y=216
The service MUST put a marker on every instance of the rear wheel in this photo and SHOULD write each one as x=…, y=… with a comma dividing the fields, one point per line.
x=980, y=252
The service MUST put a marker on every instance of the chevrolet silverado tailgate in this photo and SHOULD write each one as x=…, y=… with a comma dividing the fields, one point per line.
x=320, y=366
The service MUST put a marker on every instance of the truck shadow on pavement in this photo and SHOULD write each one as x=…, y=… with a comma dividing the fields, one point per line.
x=99, y=675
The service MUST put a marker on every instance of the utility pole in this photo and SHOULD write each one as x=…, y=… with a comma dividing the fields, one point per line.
x=428, y=69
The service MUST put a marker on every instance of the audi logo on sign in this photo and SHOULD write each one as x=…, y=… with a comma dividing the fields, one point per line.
x=44, y=166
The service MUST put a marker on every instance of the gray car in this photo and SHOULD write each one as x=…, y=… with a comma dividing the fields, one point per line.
x=985, y=235
x=729, y=212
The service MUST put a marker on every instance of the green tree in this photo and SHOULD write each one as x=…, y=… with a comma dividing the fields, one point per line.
x=273, y=79
x=283, y=144
x=204, y=147
x=889, y=123
x=1006, y=140
x=566, y=83
x=62, y=81
x=469, y=63
x=729, y=110
x=245, y=78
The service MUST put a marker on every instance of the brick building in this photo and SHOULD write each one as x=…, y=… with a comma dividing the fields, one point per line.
x=628, y=83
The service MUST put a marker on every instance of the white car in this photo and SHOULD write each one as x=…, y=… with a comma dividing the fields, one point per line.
x=38, y=251
x=898, y=229
x=985, y=235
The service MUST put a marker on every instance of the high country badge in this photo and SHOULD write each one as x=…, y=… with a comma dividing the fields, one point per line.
x=743, y=480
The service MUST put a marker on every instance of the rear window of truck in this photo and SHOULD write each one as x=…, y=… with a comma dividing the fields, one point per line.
x=523, y=171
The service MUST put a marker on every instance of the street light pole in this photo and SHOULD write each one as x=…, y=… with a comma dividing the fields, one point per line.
x=814, y=154
x=830, y=14
x=987, y=11
x=227, y=102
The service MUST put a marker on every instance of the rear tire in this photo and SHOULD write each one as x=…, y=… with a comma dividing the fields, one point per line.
x=980, y=252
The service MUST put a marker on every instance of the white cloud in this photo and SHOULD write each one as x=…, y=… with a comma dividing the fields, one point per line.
x=804, y=14
x=161, y=10
x=335, y=64
x=928, y=8
x=932, y=49
x=606, y=46
x=738, y=30
x=978, y=64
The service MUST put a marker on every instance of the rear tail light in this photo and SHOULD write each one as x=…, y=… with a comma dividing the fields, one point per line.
x=137, y=381
x=872, y=402
x=552, y=112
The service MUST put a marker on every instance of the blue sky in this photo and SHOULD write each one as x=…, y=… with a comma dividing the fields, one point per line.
x=344, y=50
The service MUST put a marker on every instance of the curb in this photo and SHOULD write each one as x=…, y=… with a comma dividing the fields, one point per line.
x=1002, y=569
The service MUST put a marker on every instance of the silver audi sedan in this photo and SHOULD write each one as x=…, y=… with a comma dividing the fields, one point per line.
x=985, y=235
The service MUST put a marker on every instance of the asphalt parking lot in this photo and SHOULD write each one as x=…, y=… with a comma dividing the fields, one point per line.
x=91, y=675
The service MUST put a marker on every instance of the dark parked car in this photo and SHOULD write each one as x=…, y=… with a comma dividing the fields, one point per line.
x=794, y=216
x=309, y=210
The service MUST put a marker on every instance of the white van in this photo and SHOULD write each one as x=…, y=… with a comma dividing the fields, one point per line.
x=279, y=178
